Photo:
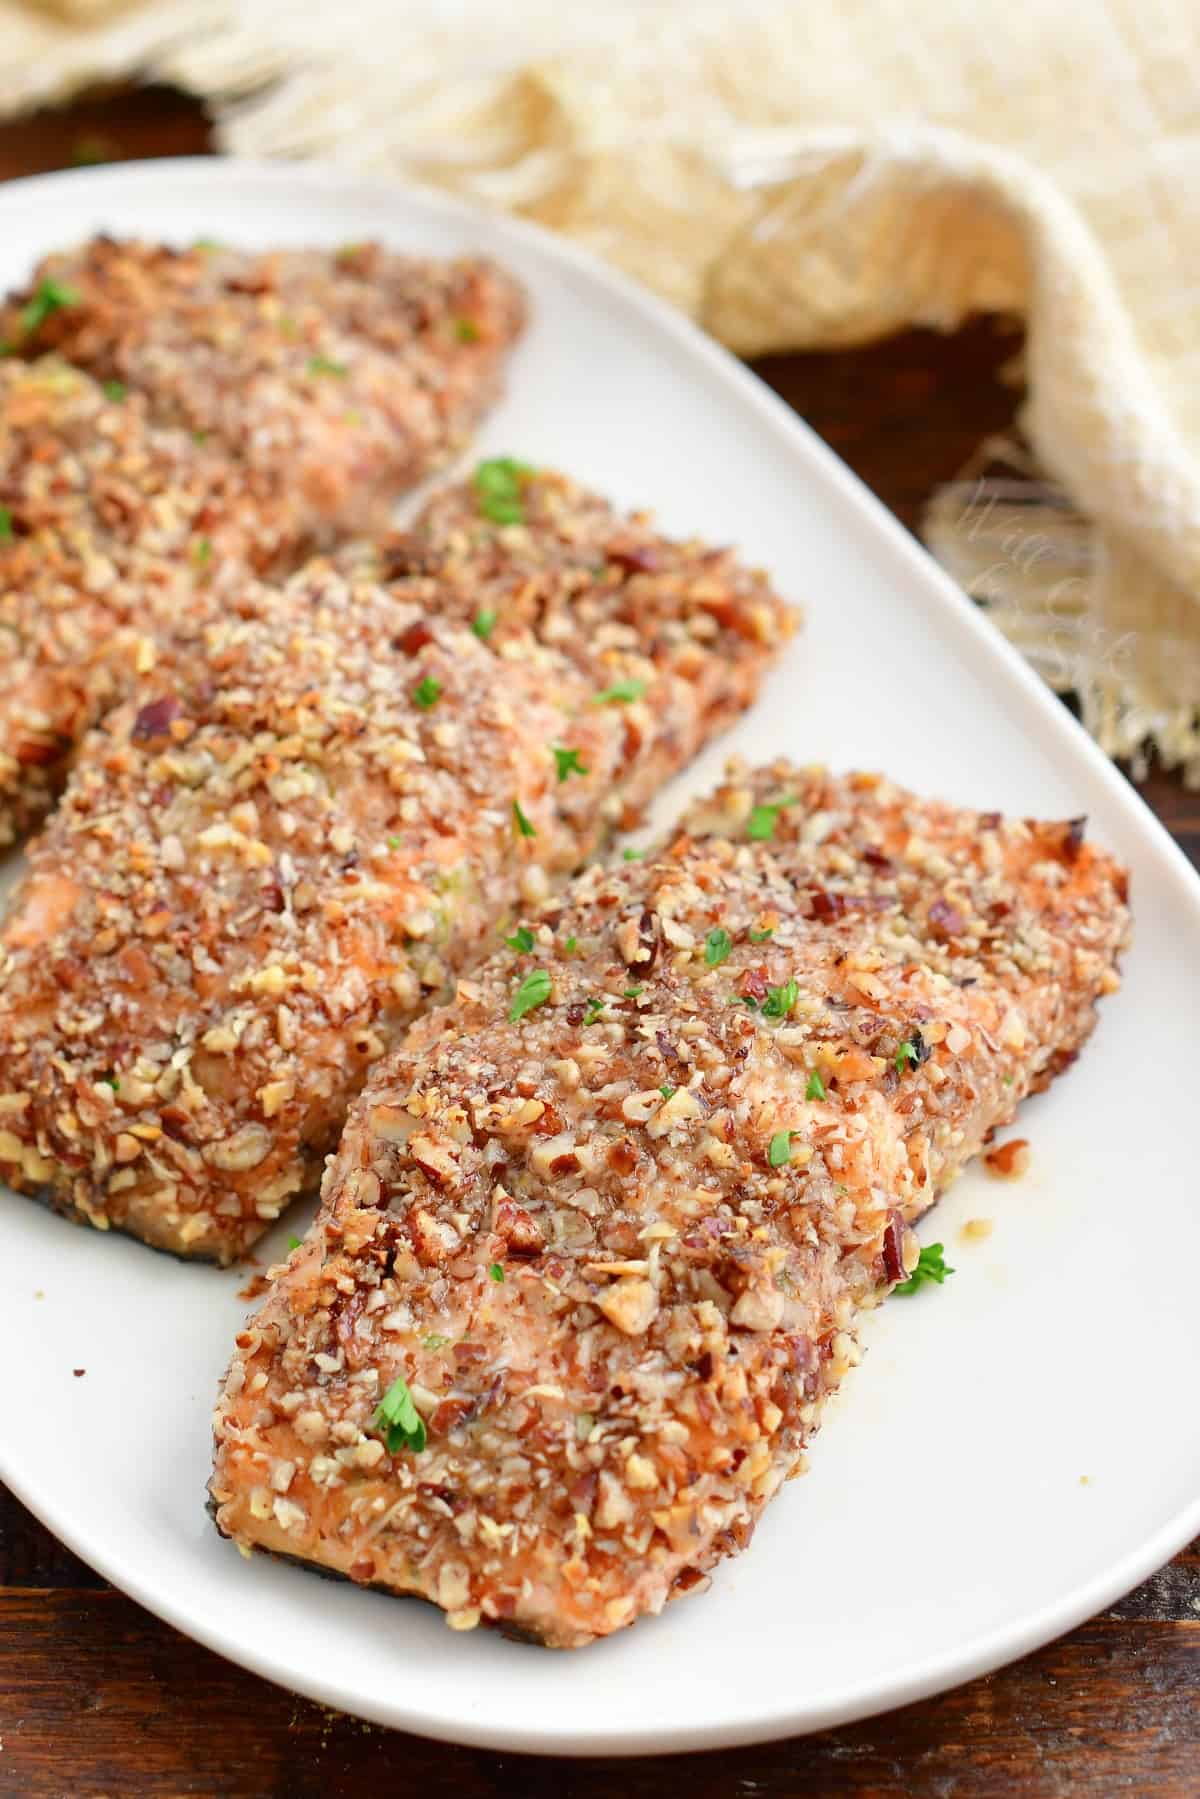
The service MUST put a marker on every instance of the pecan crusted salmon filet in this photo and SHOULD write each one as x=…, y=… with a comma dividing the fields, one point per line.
x=114, y=533
x=260, y=873
x=346, y=375
x=518, y=550
x=596, y=1242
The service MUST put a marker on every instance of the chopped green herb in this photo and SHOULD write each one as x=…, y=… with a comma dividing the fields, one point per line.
x=110, y=1080
x=202, y=552
x=619, y=691
x=744, y=999
x=495, y=1272
x=533, y=991
x=633, y=855
x=594, y=1009
x=6, y=528
x=571, y=945
x=567, y=763
x=906, y=1052
x=522, y=823
x=498, y=489
x=293, y=1243
x=483, y=624
x=393, y=843
x=325, y=365
x=435, y=1340
x=207, y=243
x=816, y=1086
x=466, y=331
x=666, y=1089
x=200, y=437
x=350, y=252
x=521, y=940
x=931, y=1266
x=761, y=936
x=1008, y=1080
x=114, y=390
x=780, y=1000
x=760, y=826
x=633, y=992
x=399, y=1418
x=717, y=946
x=427, y=693
x=780, y=1150
x=50, y=297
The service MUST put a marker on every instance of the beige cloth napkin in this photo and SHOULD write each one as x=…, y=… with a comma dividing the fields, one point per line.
x=802, y=175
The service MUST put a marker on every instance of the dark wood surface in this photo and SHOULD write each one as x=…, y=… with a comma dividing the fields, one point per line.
x=98, y=1698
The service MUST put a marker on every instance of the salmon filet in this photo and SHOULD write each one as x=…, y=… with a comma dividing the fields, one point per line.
x=344, y=376
x=114, y=534
x=599, y=1235
x=262, y=871
x=517, y=551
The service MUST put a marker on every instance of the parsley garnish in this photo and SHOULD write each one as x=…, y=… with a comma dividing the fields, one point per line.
x=325, y=365
x=760, y=826
x=427, y=693
x=533, y=991
x=495, y=1272
x=6, y=530
x=633, y=992
x=114, y=390
x=571, y=945
x=717, y=946
x=666, y=1089
x=761, y=936
x=931, y=1266
x=202, y=552
x=620, y=690
x=293, y=1243
x=906, y=1052
x=780, y=1150
x=816, y=1086
x=595, y=1007
x=498, y=490
x=484, y=623
x=522, y=823
x=110, y=1080
x=393, y=843
x=521, y=940
x=399, y=1418
x=567, y=763
x=466, y=331
x=780, y=1000
x=633, y=855
x=51, y=297
x=435, y=1340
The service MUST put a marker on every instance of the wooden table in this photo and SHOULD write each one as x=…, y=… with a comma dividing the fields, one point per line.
x=97, y=1697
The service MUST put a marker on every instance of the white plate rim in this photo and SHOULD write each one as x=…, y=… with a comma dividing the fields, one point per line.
x=937, y=1673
